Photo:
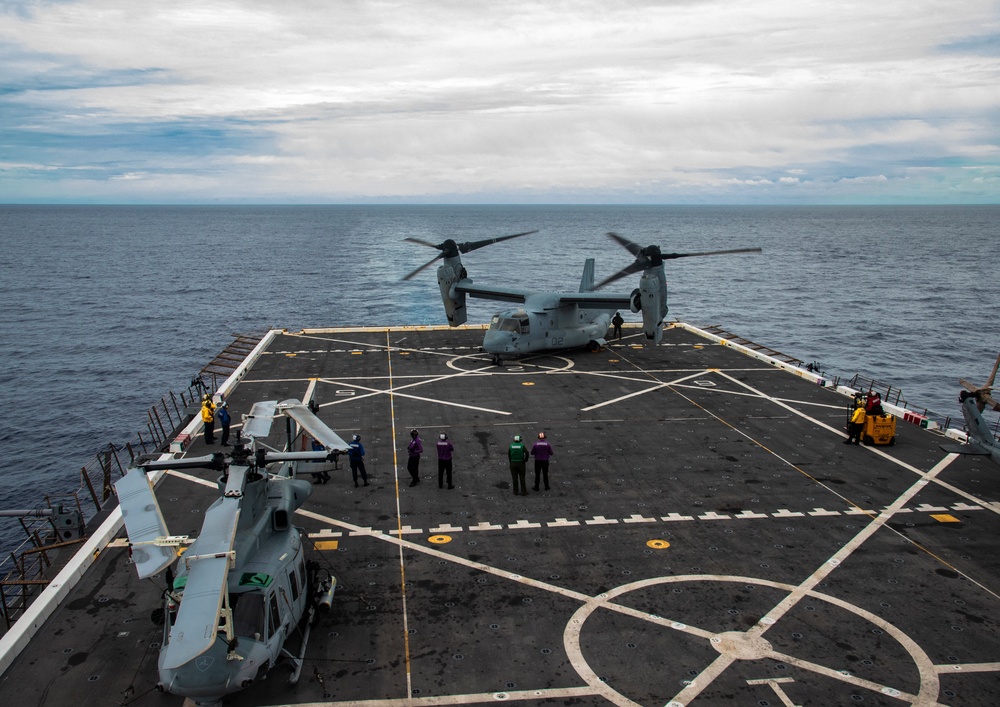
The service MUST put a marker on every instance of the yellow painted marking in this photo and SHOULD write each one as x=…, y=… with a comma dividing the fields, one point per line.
x=658, y=544
x=613, y=360
x=356, y=353
x=439, y=539
x=327, y=545
x=290, y=355
x=527, y=383
x=945, y=518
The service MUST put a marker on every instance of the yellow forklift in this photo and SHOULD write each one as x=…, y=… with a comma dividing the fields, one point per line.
x=880, y=427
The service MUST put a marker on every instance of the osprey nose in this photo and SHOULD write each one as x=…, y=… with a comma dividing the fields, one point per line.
x=497, y=342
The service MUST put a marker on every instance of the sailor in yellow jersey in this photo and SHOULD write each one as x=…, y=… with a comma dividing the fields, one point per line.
x=208, y=417
x=855, y=426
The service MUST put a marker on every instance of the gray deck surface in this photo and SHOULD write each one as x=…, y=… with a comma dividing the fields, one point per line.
x=708, y=539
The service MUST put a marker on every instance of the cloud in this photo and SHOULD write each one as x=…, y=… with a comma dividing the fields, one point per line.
x=373, y=100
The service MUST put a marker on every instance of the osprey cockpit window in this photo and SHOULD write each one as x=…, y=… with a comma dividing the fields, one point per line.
x=516, y=324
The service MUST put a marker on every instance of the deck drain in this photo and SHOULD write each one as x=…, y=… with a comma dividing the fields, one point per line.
x=494, y=626
x=94, y=678
x=458, y=656
x=546, y=651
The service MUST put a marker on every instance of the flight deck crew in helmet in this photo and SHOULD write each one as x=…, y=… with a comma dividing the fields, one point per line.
x=444, y=450
x=414, y=449
x=517, y=454
x=542, y=452
x=355, y=453
x=208, y=417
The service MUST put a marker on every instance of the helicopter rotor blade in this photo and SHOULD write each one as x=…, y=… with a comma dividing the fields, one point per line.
x=421, y=241
x=423, y=267
x=633, y=248
x=633, y=268
x=450, y=249
x=993, y=373
x=475, y=245
x=671, y=256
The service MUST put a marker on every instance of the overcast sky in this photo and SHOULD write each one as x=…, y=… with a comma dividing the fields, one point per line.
x=691, y=101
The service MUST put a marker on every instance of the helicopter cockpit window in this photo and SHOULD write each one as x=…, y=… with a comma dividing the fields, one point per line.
x=248, y=613
x=511, y=324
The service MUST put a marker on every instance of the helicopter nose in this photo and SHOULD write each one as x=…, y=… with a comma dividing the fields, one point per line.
x=497, y=342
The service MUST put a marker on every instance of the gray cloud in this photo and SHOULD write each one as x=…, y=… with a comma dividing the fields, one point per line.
x=667, y=102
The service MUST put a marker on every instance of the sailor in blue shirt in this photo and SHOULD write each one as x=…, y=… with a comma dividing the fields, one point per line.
x=355, y=453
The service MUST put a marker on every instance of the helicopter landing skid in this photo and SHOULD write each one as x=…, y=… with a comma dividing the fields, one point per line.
x=297, y=662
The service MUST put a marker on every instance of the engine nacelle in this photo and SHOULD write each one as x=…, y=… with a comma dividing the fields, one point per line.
x=448, y=276
x=652, y=295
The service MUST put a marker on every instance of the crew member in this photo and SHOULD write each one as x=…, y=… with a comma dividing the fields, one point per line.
x=856, y=426
x=542, y=452
x=617, y=322
x=224, y=421
x=356, y=453
x=517, y=454
x=445, y=449
x=414, y=449
x=208, y=417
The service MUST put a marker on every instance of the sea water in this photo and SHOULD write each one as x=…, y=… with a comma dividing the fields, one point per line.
x=105, y=309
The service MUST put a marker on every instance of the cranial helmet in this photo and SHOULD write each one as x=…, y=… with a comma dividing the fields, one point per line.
x=517, y=438
x=357, y=438
x=443, y=436
x=413, y=433
x=541, y=435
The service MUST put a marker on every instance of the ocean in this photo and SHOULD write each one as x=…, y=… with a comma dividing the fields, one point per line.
x=106, y=308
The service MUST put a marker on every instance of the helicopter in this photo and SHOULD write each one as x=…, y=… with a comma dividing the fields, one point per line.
x=242, y=586
x=974, y=400
x=552, y=321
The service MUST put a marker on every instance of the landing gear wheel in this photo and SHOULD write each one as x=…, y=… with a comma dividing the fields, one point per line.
x=497, y=361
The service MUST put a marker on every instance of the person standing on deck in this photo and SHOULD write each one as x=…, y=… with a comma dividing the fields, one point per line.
x=414, y=449
x=356, y=453
x=617, y=322
x=517, y=455
x=208, y=417
x=855, y=426
x=444, y=449
x=225, y=420
x=542, y=452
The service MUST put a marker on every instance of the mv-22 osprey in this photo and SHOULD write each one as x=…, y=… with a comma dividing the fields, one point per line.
x=552, y=321
x=242, y=586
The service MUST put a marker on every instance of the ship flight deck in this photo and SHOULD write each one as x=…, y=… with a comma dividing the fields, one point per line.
x=708, y=539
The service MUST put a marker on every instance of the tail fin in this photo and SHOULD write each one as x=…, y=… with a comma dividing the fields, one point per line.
x=587, y=281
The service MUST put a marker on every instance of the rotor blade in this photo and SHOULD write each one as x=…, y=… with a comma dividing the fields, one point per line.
x=475, y=245
x=671, y=256
x=421, y=242
x=993, y=373
x=968, y=386
x=424, y=266
x=633, y=268
x=625, y=243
